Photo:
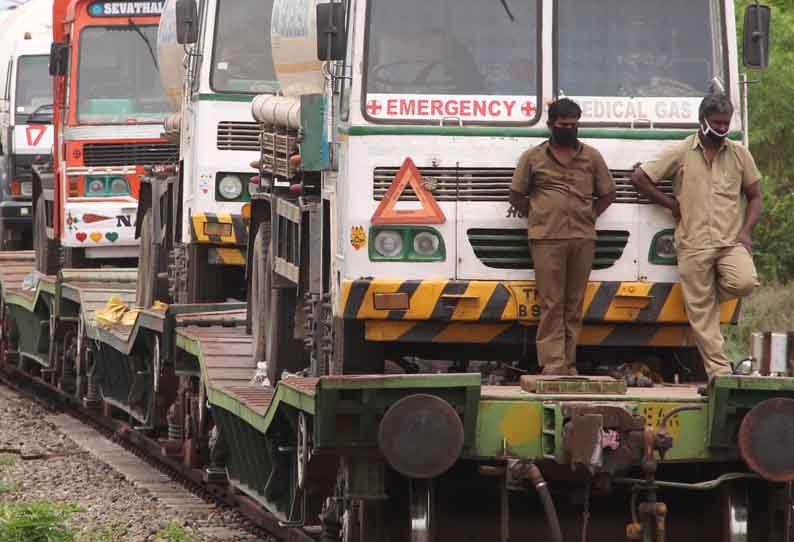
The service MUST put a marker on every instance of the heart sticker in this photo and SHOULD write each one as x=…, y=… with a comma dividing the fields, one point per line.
x=96, y=237
x=111, y=236
x=81, y=236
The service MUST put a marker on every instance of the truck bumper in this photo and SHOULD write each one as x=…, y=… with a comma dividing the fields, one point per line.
x=16, y=213
x=460, y=311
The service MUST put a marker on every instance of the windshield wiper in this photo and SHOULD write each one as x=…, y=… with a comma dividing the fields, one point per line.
x=146, y=41
x=509, y=13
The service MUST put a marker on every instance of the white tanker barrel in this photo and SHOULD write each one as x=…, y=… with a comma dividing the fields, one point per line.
x=278, y=110
x=34, y=17
x=170, y=56
x=293, y=33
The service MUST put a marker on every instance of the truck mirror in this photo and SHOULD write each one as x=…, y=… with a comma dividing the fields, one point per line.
x=186, y=22
x=331, y=35
x=59, y=58
x=756, y=36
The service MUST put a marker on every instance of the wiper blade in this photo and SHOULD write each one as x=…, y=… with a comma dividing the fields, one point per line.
x=146, y=41
x=509, y=13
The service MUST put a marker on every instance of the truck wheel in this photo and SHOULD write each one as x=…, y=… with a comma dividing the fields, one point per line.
x=177, y=270
x=45, y=250
x=353, y=354
x=147, y=263
x=272, y=315
x=5, y=242
x=74, y=258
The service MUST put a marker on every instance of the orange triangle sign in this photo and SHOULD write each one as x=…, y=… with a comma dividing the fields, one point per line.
x=430, y=213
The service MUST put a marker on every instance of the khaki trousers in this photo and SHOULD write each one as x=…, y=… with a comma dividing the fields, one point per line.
x=562, y=268
x=708, y=277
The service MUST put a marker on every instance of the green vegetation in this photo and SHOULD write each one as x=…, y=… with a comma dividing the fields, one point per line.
x=36, y=522
x=175, y=533
x=770, y=308
x=6, y=487
x=771, y=119
x=6, y=460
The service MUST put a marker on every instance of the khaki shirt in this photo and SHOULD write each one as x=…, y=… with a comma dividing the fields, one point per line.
x=561, y=196
x=709, y=194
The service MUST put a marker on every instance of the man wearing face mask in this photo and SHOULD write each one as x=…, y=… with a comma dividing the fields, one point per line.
x=710, y=174
x=562, y=185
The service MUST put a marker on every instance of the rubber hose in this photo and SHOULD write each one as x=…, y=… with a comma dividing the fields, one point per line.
x=548, y=503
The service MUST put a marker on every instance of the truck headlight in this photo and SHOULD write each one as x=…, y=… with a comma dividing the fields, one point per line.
x=662, y=250
x=119, y=186
x=389, y=243
x=426, y=244
x=95, y=186
x=406, y=243
x=230, y=187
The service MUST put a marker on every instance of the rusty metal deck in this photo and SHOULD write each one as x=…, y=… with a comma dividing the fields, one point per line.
x=14, y=268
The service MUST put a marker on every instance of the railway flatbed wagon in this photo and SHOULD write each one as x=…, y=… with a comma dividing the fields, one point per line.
x=406, y=457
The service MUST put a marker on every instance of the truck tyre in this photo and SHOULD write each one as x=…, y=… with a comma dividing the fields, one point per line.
x=148, y=267
x=353, y=354
x=5, y=242
x=74, y=258
x=45, y=250
x=272, y=315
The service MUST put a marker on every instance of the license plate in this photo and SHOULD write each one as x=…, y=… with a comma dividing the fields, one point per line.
x=24, y=211
x=527, y=302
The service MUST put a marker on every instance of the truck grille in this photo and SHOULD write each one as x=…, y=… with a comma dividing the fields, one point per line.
x=129, y=154
x=238, y=136
x=472, y=184
x=509, y=248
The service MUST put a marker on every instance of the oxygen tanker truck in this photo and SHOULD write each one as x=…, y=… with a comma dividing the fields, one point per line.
x=109, y=106
x=382, y=226
x=25, y=115
x=211, y=73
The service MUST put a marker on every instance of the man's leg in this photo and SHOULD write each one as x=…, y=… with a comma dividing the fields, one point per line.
x=736, y=273
x=580, y=261
x=548, y=258
x=698, y=272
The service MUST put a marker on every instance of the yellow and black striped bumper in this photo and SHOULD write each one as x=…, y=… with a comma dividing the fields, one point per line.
x=229, y=229
x=480, y=311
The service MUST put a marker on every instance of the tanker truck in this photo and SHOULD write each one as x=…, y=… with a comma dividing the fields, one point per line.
x=25, y=115
x=383, y=228
x=199, y=206
x=109, y=106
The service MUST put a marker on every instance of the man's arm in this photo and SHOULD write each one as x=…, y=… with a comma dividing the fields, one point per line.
x=645, y=186
x=751, y=214
x=520, y=185
x=601, y=203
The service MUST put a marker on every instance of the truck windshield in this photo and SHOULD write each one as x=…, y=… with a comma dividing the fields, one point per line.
x=34, y=88
x=472, y=60
x=241, y=57
x=668, y=52
x=118, y=79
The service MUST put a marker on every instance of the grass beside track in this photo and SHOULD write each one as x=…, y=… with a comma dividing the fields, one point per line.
x=769, y=308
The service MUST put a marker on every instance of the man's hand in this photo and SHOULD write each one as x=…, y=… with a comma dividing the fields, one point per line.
x=744, y=239
x=519, y=201
x=676, y=210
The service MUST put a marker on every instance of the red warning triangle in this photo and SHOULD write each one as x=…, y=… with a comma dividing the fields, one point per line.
x=430, y=213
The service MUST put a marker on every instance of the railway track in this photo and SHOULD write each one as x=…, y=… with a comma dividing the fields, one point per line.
x=141, y=460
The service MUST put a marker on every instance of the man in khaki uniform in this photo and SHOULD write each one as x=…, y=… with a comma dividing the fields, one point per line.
x=710, y=173
x=562, y=185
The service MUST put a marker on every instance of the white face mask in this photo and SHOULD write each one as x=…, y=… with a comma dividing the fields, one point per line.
x=709, y=130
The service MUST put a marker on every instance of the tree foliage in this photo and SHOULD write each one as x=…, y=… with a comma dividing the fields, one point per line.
x=771, y=122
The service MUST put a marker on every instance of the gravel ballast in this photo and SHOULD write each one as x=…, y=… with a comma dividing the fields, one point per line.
x=39, y=463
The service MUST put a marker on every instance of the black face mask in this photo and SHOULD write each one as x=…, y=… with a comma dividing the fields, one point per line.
x=565, y=137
